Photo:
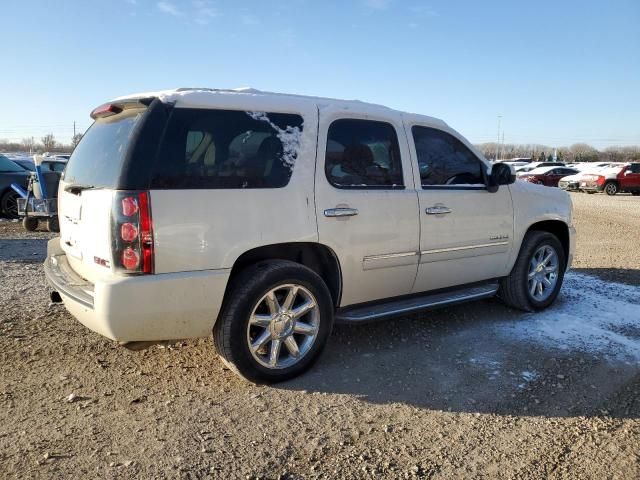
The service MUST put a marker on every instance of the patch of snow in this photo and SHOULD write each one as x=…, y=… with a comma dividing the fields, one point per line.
x=290, y=138
x=591, y=315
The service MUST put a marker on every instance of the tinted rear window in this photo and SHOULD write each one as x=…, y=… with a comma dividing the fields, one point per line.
x=205, y=148
x=97, y=160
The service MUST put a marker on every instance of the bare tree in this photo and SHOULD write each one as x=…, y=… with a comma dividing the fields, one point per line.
x=29, y=144
x=48, y=142
x=76, y=140
x=583, y=152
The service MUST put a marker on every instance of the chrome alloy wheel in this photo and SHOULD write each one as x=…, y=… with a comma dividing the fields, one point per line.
x=543, y=273
x=283, y=326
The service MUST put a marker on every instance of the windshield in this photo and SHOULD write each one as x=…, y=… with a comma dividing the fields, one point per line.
x=98, y=158
x=7, y=165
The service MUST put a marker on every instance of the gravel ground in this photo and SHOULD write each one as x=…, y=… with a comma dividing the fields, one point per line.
x=475, y=391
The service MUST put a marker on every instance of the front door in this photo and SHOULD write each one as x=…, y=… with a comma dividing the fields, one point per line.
x=466, y=232
x=366, y=204
x=630, y=179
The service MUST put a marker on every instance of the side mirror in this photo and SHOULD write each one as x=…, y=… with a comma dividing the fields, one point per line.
x=627, y=172
x=501, y=174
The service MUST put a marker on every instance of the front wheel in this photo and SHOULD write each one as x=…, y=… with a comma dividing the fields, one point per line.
x=30, y=224
x=276, y=319
x=536, y=278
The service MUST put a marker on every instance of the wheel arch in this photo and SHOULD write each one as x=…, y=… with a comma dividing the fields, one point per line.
x=316, y=256
x=558, y=228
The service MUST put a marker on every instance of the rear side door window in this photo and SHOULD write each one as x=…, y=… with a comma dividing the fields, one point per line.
x=444, y=161
x=205, y=148
x=363, y=154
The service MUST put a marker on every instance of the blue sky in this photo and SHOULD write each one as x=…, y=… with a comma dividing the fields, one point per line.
x=558, y=72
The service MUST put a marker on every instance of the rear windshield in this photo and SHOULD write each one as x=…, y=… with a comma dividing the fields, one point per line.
x=206, y=148
x=98, y=158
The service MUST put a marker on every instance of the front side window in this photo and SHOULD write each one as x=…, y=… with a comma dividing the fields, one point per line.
x=444, y=160
x=363, y=154
x=219, y=149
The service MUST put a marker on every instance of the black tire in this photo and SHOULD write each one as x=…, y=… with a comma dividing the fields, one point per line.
x=53, y=225
x=30, y=224
x=243, y=294
x=611, y=188
x=514, y=289
x=635, y=194
x=9, y=204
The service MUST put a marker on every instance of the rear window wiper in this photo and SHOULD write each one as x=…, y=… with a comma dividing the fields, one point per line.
x=79, y=187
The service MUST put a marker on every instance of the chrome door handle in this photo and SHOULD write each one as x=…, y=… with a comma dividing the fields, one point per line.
x=437, y=210
x=340, y=212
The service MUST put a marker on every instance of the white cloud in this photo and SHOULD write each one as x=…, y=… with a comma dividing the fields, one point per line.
x=170, y=9
x=423, y=11
x=204, y=11
x=377, y=4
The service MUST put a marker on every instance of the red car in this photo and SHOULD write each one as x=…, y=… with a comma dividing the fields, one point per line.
x=612, y=181
x=549, y=176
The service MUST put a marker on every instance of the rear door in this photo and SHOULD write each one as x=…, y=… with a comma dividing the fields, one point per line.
x=366, y=204
x=466, y=232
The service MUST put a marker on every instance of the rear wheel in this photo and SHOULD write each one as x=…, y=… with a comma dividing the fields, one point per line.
x=276, y=319
x=635, y=194
x=30, y=224
x=9, y=204
x=536, y=278
x=611, y=188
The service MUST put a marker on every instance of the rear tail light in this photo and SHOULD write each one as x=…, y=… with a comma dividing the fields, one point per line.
x=132, y=229
x=600, y=180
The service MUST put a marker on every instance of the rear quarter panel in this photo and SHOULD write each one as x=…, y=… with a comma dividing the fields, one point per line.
x=205, y=229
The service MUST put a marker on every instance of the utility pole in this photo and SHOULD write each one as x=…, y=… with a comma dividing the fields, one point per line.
x=498, y=144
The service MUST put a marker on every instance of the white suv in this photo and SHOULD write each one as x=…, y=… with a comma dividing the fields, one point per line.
x=263, y=217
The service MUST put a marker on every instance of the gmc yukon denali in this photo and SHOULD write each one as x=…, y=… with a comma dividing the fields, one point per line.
x=263, y=218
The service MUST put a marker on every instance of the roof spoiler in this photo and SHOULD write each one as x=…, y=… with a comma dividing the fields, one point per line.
x=116, y=107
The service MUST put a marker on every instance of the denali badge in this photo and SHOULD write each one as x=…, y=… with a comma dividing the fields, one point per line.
x=498, y=237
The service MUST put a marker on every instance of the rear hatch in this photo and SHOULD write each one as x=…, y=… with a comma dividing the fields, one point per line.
x=87, y=189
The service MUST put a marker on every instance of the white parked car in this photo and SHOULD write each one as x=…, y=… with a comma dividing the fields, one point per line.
x=572, y=182
x=263, y=217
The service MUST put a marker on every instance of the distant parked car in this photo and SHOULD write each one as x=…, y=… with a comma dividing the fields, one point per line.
x=10, y=172
x=572, y=182
x=548, y=176
x=533, y=165
x=625, y=178
x=516, y=162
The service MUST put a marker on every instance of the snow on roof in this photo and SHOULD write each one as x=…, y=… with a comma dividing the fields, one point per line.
x=242, y=97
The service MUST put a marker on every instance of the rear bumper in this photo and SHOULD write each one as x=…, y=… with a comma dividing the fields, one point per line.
x=139, y=308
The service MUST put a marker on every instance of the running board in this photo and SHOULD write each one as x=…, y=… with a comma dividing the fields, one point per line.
x=405, y=305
